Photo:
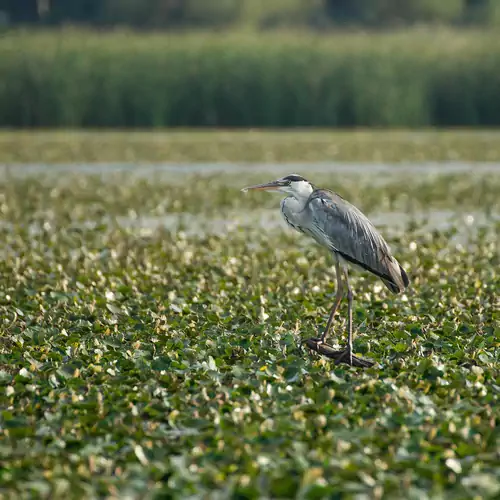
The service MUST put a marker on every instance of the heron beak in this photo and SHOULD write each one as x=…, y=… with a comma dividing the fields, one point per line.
x=269, y=186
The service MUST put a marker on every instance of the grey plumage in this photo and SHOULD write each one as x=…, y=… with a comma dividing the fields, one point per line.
x=347, y=231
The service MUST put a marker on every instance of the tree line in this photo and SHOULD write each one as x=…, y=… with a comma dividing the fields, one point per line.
x=169, y=14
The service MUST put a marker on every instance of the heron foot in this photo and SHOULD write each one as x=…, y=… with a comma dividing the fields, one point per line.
x=312, y=343
x=344, y=356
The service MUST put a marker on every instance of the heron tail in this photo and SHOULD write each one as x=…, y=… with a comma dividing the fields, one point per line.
x=399, y=279
x=404, y=276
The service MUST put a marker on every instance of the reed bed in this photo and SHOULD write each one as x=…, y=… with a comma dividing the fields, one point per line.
x=415, y=78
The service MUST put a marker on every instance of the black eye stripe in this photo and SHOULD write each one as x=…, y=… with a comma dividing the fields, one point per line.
x=293, y=178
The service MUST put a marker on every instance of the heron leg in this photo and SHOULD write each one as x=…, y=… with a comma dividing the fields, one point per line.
x=338, y=299
x=346, y=355
x=349, y=320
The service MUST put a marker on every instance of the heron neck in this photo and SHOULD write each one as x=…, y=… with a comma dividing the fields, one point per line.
x=295, y=204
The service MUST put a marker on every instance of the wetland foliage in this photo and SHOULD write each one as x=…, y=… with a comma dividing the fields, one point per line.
x=233, y=146
x=410, y=78
x=134, y=357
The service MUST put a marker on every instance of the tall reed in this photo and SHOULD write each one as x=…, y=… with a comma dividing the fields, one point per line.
x=124, y=79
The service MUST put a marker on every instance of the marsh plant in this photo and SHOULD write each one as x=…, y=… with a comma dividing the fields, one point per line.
x=412, y=78
x=136, y=355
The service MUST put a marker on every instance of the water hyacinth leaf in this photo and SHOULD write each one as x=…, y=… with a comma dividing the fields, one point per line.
x=141, y=357
x=114, y=309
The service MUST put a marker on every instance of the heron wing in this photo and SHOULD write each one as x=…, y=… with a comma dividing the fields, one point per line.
x=346, y=230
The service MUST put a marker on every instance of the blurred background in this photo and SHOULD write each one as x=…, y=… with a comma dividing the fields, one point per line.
x=249, y=63
x=259, y=14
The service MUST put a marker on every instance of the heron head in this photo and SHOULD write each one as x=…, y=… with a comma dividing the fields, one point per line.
x=293, y=185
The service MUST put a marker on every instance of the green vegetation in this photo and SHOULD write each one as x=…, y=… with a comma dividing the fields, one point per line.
x=248, y=146
x=256, y=14
x=413, y=78
x=133, y=358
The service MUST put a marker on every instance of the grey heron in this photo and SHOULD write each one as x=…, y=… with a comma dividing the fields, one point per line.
x=344, y=230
